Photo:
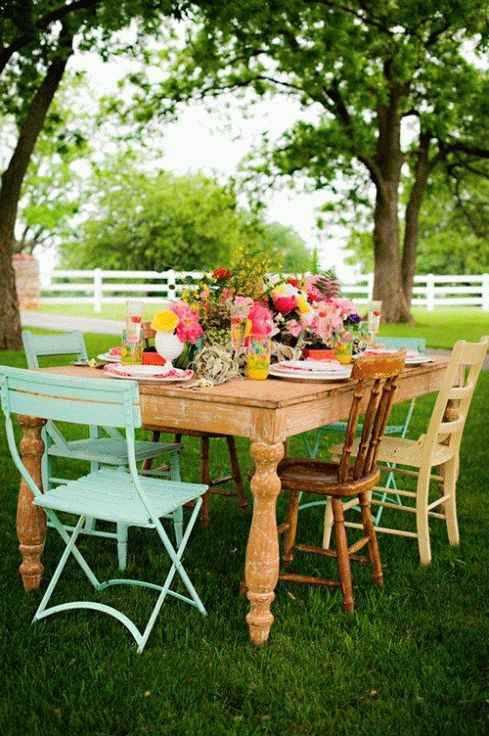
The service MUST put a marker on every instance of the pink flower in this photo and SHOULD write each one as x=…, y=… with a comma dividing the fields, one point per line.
x=189, y=328
x=284, y=304
x=313, y=294
x=240, y=308
x=261, y=320
x=345, y=306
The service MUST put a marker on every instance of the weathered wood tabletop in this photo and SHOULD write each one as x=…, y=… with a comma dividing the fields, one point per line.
x=267, y=412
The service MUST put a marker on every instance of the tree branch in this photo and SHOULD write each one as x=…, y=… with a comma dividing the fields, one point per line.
x=42, y=24
x=461, y=147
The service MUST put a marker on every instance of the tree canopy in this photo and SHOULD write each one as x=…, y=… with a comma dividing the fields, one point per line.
x=37, y=40
x=141, y=221
x=387, y=88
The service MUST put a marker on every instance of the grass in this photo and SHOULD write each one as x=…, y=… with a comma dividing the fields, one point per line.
x=441, y=328
x=412, y=660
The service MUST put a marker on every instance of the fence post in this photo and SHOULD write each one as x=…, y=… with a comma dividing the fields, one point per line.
x=97, y=290
x=430, y=292
x=171, y=282
x=485, y=292
x=370, y=287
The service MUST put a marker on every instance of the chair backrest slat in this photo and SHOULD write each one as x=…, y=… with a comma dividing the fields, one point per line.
x=70, y=399
x=66, y=343
x=448, y=419
x=376, y=378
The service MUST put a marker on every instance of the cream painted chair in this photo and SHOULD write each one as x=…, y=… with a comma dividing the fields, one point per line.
x=437, y=449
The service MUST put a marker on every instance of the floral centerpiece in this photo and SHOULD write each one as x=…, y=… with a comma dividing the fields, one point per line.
x=297, y=314
x=176, y=328
x=310, y=314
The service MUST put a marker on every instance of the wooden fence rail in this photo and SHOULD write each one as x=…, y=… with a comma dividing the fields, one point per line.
x=98, y=287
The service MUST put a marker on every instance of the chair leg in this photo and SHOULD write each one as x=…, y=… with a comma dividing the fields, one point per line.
x=373, y=546
x=178, y=525
x=155, y=437
x=328, y=524
x=450, y=472
x=291, y=533
x=343, y=557
x=236, y=472
x=122, y=534
x=205, y=477
x=422, y=518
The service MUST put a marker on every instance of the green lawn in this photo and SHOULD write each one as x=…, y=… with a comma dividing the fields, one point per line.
x=441, y=328
x=414, y=659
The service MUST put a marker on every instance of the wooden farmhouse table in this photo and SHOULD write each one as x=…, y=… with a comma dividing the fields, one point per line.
x=266, y=412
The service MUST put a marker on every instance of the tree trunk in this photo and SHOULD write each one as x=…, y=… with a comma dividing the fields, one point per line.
x=387, y=270
x=10, y=189
x=387, y=255
x=413, y=209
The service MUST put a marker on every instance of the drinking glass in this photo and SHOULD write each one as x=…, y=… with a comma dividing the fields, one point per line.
x=374, y=315
x=258, y=356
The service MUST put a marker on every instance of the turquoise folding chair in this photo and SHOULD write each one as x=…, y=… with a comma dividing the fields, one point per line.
x=109, y=494
x=312, y=440
x=98, y=450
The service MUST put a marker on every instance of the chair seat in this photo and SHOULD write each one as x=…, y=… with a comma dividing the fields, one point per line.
x=318, y=476
x=109, y=450
x=408, y=452
x=110, y=495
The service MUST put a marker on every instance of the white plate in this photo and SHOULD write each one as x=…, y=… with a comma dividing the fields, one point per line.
x=311, y=366
x=148, y=373
x=418, y=359
x=109, y=358
x=307, y=375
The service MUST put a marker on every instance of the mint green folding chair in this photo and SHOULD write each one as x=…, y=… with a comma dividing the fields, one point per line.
x=103, y=446
x=312, y=440
x=108, y=494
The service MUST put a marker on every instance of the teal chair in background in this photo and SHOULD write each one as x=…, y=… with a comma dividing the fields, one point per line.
x=104, y=446
x=312, y=440
x=108, y=494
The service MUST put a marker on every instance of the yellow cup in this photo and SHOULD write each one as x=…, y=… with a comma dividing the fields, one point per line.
x=258, y=357
x=343, y=352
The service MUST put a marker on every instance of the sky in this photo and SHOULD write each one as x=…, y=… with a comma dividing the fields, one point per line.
x=201, y=141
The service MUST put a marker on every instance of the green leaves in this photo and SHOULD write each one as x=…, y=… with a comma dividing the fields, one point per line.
x=138, y=221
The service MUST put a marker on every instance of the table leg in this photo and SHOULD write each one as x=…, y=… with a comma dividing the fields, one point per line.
x=262, y=553
x=31, y=520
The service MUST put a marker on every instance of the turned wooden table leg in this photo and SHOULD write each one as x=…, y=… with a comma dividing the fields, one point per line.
x=31, y=520
x=262, y=553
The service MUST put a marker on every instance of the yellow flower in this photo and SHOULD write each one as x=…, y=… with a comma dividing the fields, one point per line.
x=302, y=304
x=165, y=321
x=279, y=289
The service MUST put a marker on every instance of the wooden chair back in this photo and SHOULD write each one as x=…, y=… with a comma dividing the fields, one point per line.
x=455, y=396
x=376, y=381
x=66, y=343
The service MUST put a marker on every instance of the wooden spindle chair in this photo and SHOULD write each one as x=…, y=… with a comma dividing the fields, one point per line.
x=376, y=381
x=215, y=485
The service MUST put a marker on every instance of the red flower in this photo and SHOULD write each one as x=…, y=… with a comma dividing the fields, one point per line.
x=293, y=282
x=221, y=274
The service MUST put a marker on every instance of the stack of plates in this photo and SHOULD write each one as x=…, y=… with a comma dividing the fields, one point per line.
x=162, y=374
x=412, y=356
x=310, y=370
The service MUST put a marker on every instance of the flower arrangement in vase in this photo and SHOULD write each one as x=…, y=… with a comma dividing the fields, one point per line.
x=176, y=328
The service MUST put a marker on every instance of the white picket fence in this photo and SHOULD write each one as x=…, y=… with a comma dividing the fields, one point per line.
x=98, y=287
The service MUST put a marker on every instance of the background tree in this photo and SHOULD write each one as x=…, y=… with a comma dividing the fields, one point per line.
x=36, y=41
x=388, y=87
x=53, y=188
x=142, y=221
x=453, y=230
